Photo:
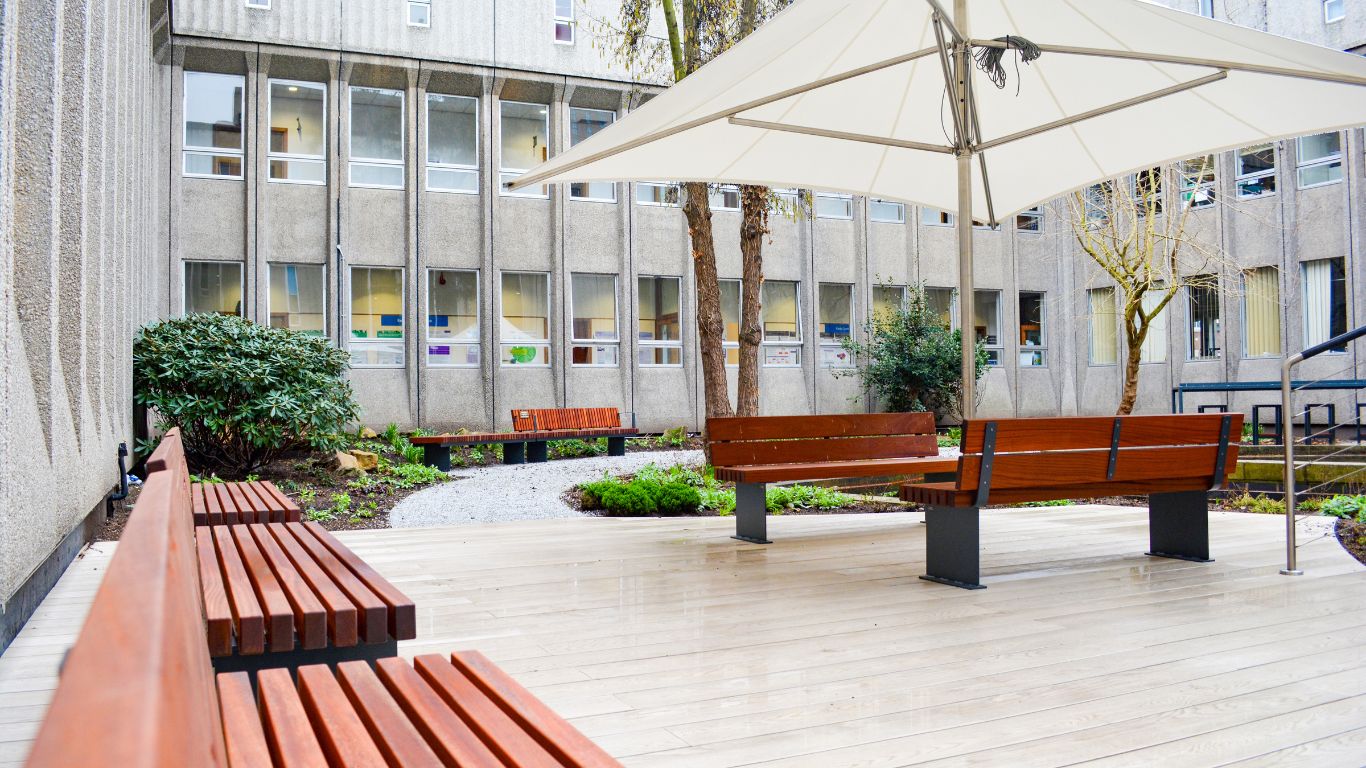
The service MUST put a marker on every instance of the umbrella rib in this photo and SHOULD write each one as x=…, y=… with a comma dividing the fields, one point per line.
x=944, y=17
x=827, y=133
x=1105, y=110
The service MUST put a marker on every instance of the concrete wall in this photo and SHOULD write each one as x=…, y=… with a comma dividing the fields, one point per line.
x=82, y=227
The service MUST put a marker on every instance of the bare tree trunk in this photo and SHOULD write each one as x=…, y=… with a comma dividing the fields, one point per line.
x=710, y=328
x=753, y=227
x=1132, y=359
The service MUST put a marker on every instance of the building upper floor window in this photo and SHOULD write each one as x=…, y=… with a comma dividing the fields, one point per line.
x=1320, y=159
x=660, y=331
x=376, y=125
x=1256, y=170
x=1030, y=219
x=1033, y=348
x=1197, y=181
x=213, y=125
x=1262, y=312
x=886, y=212
x=657, y=193
x=933, y=217
x=835, y=304
x=1202, y=318
x=453, y=318
x=1334, y=10
x=260, y=5
x=419, y=13
x=779, y=313
x=564, y=22
x=986, y=309
x=298, y=298
x=298, y=132
x=525, y=143
x=725, y=197
x=832, y=206
x=1207, y=8
x=582, y=124
x=1103, y=325
x=452, y=143
x=594, y=328
x=1146, y=188
x=1325, y=301
x=213, y=286
x=377, y=298
x=525, y=328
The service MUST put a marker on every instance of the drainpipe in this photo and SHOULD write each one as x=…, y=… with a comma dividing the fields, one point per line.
x=122, y=492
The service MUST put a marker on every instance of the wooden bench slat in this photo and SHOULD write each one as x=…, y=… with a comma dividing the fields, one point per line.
x=199, y=510
x=217, y=611
x=279, y=613
x=402, y=612
x=288, y=730
x=444, y=731
x=242, y=731
x=773, y=473
x=258, y=512
x=555, y=734
x=340, y=732
x=289, y=510
x=341, y=612
x=374, y=613
x=249, y=618
x=495, y=727
x=213, y=503
x=310, y=618
x=1031, y=470
x=846, y=425
x=1074, y=433
x=395, y=736
x=945, y=495
x=822, y=450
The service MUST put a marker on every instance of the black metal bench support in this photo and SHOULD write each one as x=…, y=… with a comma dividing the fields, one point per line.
x=751, y=513
x=537, y=452
x=616, y=446
x=953, y=547
x=1220, y=408
x=1178, y=525
x=438, y=456
x=514, y=453
x=1330, y=434
x=1278, y=434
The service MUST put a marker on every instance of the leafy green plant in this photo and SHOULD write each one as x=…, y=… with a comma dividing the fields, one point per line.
x=308, y=495
x=673, y=438
x=319, y=515
x=242, y=393
x=1346, y=507
x=1049, y=503
x=210, y=479
x=417, y=474
x=366, y=511
x=341, y=503
x=1258, y=504
x=575, y=448
x=950, y=439
x=784, y=497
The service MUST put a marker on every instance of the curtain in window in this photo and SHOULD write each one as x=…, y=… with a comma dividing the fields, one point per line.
x=1262, y=311
x=1154, y=349
x=1104, y=333
x=1318, y=301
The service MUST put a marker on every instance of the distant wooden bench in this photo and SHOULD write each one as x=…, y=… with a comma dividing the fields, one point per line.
x=138, y=689
x=532, y=429
x=1174, y=460
x=754, y=451
x=254, y=501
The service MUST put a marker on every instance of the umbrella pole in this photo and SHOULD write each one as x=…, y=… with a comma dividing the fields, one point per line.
x=962, y=67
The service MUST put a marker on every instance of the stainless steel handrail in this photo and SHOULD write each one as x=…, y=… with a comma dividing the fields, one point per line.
x=1290, y=568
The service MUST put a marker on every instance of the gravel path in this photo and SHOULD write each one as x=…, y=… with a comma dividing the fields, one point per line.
x=506, y=492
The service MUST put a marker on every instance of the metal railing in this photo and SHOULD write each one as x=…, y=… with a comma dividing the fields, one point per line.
x=1287, y=390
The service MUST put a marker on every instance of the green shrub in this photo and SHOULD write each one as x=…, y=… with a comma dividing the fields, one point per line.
x=951, y=439
x=630, y=500
x=1346, y=507
x=673, y=438
x=648, y=493
x=575, y=448
x=1262, y=505
x=784, y=497
x=242, y=393
x=677, y=499
x=1049, y=503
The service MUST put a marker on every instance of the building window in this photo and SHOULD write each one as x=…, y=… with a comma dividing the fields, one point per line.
x=419, y=13
x=260, y=5
x=1146, y=187
x=1207, y=8
x=1033, y=349
x=297, y=298
x=214, y=287
x=660, y=330
x=1320, y=159
x=526, y=143
x=582, y=124
x=785, y=202
x=525, y=330
x=376, y=138
x=886, y=212
x=730, y=320
x=1257, y=170
x=941, y=302
x=832, y=206
x=657, y=193
x=1262, y=312
x=376, y=317
x=1104, y=326
x=564, y=22
x=933, y=217
x=986, y=310
x=1154, y=348
x=1202, y=321
x=213, y=125
x=452, y=143
x=1334, y=10
x=725, y=197
x=453, y=318
x=888, y=300
x=1030, y=220
x=298, y=133
x=1197, y=181
x=836, y=306
x=779, y=310
x=595, y=339
x=1325, y=301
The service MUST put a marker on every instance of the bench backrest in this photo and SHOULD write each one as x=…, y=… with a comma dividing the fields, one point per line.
x=759, y=440
x=1094, y=451
x=137, y=688
x=543, y=419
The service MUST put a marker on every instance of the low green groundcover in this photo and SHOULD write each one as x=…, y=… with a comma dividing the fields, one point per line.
x=681, y=490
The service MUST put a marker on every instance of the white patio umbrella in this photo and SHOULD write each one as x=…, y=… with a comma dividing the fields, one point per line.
x=883, y=98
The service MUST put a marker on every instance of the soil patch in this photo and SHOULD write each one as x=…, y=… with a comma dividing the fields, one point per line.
x=1352, y=536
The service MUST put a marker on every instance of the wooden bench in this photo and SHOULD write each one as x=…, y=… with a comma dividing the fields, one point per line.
x=754, y=451
x=254, y=501
x=1174, y=460
x=138, y=689
x=532, y=429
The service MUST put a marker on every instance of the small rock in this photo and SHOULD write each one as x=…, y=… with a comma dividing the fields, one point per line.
x=365, y=459
x=346, y=463
x=367, y=433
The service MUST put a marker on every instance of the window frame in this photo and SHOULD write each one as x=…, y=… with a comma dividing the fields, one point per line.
x=1206, y=8
x=954, y=318
x=1240, y=177
x=1000, y=346
x=503, y=171
x=1342, y=11
x=1218, y=355
x=428, y=165
x=353, y=160
x=589, y=184
x=323, y=267
x=1091, y=329
x=185, y=283
x=1034, y=215
x=716, y=197
x=567, y=22
x=872, y=297
x=428, y=341
x=828, y=197
x=946, y=219
x=1042, y=346
x=765, y=343
x=1163, y=318
x=1246, y=293
x=351, y=312
x=549, y=323
x=874, y=203
x=728, y=346
x=677, y=190
x=258, y=5
x=294, y=157
x=412, y=4
x=576, y=343
x=1346, y=303
x=1197, y=193
x=822, y=342
x=187, y=149
x=656, y=343
x=1302, y=165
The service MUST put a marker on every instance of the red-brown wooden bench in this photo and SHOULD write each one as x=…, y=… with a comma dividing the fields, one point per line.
x=253, y=501
x=532, y=429
x=754, y=451
x=138, y=689
x=1174, y=460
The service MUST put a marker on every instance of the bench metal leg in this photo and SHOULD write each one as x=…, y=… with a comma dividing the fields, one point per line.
x=751, y=513
x=616, y=446
x=514, y=453
x=438, y=456
x=536, y=453
x=953, y=546
x=1178, y=525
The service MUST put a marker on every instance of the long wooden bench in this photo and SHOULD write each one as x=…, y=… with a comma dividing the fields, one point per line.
x=754, y=451
x=532, y=429
x=253, y=501
x=138, y=689
x=1174, y=460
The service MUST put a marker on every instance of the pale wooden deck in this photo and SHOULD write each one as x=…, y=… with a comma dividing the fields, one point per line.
x=674, y=645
